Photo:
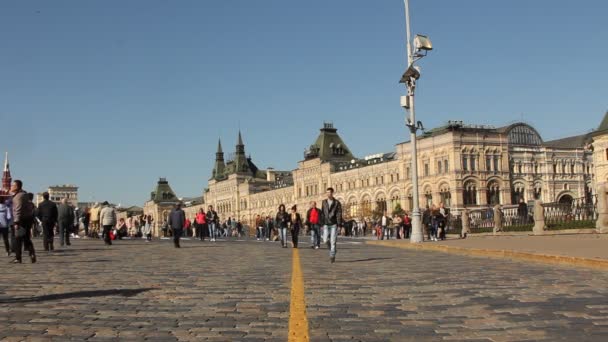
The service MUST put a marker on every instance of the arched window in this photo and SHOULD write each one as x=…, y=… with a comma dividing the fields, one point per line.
x=446, y=196
x=517, y=193
x=493, y=193
x=470, y=193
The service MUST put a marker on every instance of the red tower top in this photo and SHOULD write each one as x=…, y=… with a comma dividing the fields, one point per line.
x=6, y=177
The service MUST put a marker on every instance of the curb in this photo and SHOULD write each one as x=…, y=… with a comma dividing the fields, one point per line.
x=600, y=264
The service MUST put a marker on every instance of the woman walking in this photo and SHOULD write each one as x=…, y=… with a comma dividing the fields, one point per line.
x=282, y=222
x=296, y=224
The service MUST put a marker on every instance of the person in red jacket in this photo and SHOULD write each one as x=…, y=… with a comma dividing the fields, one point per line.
x=201, y=222
x=187, y=226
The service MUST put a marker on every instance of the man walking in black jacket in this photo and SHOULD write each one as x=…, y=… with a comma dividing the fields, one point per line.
x=48, y=215
x=177, y=221
x=331, y=213
x=66, y=221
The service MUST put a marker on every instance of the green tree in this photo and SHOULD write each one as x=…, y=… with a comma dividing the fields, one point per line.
x=398, y=210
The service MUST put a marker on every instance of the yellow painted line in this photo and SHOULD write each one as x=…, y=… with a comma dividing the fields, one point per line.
x=298, y=322
x=601, y=264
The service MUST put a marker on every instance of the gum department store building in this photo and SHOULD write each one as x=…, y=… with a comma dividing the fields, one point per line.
x=460, y=165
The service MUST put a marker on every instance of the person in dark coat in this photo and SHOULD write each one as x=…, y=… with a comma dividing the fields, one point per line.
x=522, y=212
x=48, y=215
x=282, y=222
x=23, y=218
x=66, y=221
x=295, y=223
x=177, y=222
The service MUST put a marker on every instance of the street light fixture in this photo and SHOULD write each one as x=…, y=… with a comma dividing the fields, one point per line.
x=421, y=44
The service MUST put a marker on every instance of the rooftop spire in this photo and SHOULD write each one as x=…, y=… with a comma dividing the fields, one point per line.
x=219, y=146
x=6, y=166
x=240, y=142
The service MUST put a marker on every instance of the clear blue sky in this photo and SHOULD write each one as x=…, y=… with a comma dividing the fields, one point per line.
x=111, y=95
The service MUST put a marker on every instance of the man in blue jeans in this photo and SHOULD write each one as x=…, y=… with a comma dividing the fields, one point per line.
x=331, y=214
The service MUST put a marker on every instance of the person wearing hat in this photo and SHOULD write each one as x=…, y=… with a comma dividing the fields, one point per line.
x=107, y=218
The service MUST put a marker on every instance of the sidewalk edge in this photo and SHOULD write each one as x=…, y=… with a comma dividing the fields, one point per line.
x=600, y=264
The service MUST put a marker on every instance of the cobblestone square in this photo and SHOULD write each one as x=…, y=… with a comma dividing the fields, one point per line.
x=240, y=291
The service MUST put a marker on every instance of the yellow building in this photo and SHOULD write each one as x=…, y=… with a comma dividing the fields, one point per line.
x=461, y=165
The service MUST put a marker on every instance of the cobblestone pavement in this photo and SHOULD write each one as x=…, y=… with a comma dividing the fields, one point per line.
x=232, y=291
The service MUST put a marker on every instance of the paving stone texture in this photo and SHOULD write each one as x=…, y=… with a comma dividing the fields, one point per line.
x=239, y=291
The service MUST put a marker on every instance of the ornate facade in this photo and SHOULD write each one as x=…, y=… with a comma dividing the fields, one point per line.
x=460, y=165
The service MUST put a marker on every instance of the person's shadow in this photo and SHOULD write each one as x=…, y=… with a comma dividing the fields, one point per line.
x=78, y=294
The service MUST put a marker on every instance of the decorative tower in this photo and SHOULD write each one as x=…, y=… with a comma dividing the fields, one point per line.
x=220, y=166
x=240, y=159
x=6, y=176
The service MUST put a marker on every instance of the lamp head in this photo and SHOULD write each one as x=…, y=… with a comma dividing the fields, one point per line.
x=422, y=43
x=411, y=72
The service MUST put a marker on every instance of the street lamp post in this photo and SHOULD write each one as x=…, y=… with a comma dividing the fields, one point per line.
x=409, y=78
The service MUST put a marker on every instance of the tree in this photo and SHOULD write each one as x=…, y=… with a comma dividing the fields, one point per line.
x=398, y=210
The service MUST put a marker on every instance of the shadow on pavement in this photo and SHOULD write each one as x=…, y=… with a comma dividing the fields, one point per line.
x=79, y=294
x=363, y=260
x=81, y=261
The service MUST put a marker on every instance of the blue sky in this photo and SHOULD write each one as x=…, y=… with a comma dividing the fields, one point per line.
x=111, y=95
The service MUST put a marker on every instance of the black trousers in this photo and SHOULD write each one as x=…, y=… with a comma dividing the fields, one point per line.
x=295, y=233
x=64, y=233
x=4, y=233
x=177, y=233
x=106, y=235
x=48, y=233
x=24, y=241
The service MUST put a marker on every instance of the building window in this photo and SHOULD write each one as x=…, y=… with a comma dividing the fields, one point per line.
x=470, y=194
x=446, y=166
x=439, y=167
x=496, y=164
x=465, y=164
x=572, y=168
x=493, y=194
x=426, y=169
x=535, y=168
x=607, y=154
x=554, y=168
x=488, y=163
x=473, y=164
x=408, y=173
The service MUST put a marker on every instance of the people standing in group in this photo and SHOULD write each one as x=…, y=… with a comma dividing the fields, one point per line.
x=23, y=219
x=48, y=214
x=268, y=228
x=442, y=220
x=259, y=228
x=331, y=214
x=177, y=222
x=397, y=226
x=107, y=219
x=65, y=220
x=295, y=224
x=212, y=222
x=407, y=225
x=426, y=222
x=385, y=223
x=146, y=229
x=282, y=222
x=86, y=220
x=6, y=218
x=201, y=221
x=434, y=213
x=522, y=212
x=313, y=220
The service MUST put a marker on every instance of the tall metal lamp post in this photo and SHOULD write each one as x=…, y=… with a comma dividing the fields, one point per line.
x=416, y=50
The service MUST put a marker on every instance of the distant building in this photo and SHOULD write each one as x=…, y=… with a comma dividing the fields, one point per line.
x=58, y=192
x=6, y=178
x=600, y=152
x=161, y=201
x=459, y=164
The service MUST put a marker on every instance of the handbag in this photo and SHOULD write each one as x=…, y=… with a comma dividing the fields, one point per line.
x=20, y=232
